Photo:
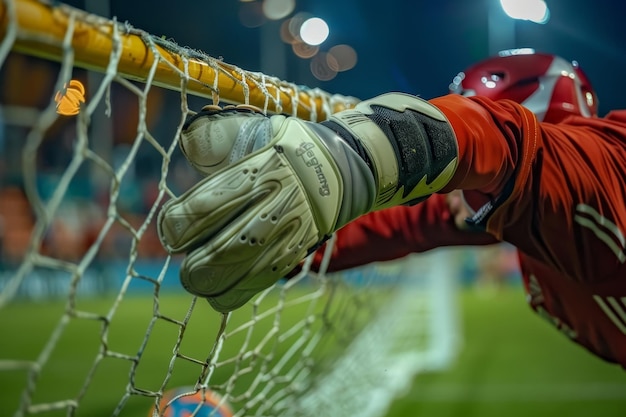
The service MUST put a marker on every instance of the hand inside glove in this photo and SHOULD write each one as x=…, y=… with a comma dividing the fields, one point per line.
x=278, y=186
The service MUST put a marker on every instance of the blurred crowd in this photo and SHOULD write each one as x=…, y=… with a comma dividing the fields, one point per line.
x=94, y=206
x=76, y=226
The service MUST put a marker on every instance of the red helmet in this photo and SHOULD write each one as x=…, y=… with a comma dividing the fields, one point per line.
x=548, y=85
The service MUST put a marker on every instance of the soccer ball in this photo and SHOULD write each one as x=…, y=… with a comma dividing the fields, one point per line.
x=187, y=404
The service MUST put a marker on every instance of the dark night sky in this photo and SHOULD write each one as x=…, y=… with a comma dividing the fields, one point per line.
x=409, y=45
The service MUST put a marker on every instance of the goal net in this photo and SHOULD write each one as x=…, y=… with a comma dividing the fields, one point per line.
x=92, y=317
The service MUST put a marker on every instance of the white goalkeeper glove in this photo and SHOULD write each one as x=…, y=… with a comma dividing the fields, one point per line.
x=278, y=186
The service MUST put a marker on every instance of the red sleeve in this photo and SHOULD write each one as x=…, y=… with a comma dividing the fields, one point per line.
x=561, y=187
x=485, y=166
x=489, y=138
x=497, y=141
x=395, y=232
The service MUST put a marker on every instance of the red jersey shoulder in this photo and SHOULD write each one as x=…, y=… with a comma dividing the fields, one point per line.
x=611, y=128
x=617, y=116
x=613, y=123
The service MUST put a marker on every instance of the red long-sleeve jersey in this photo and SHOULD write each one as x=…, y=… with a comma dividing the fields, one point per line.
x=557, y=192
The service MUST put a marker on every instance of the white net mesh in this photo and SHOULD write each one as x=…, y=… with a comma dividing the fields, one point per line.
x=93, y=320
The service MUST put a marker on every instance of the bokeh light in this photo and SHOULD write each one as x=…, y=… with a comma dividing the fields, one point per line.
x=314, y=31
x=304, y=50
x=342, y=57
x=285, y=33
x=320, y=68
x=278, y=9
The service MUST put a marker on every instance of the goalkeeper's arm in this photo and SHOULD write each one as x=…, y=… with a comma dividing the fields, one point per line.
x=278, y=187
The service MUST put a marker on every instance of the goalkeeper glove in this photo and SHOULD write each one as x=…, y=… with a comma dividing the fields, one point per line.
x=278, y=187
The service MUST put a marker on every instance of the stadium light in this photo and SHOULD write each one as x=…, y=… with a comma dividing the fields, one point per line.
x=534, y=10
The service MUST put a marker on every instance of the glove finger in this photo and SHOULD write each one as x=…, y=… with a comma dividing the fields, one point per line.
x=189, y=220
x=213, y=139
x=231, y=300
x=248, y=256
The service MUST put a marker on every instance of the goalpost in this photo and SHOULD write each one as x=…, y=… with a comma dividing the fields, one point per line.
x=92, y=318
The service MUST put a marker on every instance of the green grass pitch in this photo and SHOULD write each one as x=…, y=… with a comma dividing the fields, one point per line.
x=512, y=363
